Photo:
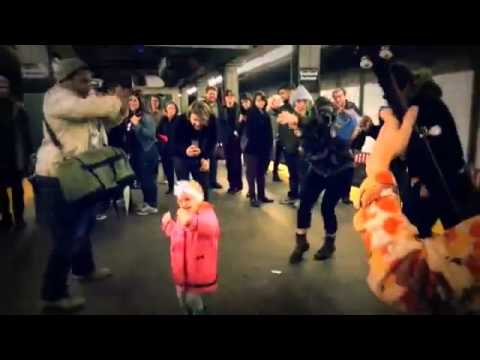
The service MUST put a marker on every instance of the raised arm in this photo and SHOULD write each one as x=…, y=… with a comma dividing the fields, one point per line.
x=67, y=106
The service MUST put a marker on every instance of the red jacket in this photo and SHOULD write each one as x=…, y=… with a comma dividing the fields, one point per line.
x=194, y=250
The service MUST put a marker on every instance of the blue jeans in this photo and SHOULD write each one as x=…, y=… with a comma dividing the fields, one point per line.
x=70, y=228
x=213, y=170
x=146, y=169
x=313, y=185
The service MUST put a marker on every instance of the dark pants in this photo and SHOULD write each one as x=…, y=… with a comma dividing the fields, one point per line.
x=70, y=228
x=257, y=167
x=293, y=164
x=102, y=207
x=167, y=163
x=399, y=170
x=146, y=167
x=278, y=156
x=313, y=185
x=438, y=206
x=184, y=167
x=160, y=158
x=213, y=170
x=233, y=157
x=17, y=200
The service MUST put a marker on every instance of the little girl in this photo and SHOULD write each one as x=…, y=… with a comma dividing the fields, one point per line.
x=194, y=246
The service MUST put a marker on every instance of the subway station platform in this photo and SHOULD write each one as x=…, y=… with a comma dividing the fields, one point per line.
x=254, y=243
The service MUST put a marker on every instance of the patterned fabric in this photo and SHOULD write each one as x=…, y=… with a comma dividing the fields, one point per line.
x=434, y=275
x=361, y=158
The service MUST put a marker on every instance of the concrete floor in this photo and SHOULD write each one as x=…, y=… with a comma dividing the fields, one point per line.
x=254, y=242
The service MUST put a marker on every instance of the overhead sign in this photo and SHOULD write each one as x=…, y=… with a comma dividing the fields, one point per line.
x=309, y=75
x=309, y=78
x=35, y=71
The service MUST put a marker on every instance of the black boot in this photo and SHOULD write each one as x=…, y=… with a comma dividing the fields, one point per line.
x=6, y=222
x=254, y=202
x=326, y=250
x=265, y=200
x=20, y=223
x=300, y=248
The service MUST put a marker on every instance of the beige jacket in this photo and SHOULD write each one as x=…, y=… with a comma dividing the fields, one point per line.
x=72, y=119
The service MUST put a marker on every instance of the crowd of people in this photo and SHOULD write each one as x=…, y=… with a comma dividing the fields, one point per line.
x=319, y=139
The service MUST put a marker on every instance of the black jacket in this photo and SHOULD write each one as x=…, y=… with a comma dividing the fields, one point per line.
x=117, y=136
x=16, y=145
x=350, y=105
x=446, y=147
x=287, y=137
x=372, y=131
x=165, y=127
x=326, y=155
x=184, y=134
x=228, y=123
x=258, y=132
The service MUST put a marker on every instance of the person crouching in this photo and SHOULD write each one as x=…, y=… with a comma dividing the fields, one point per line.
x=194, y=237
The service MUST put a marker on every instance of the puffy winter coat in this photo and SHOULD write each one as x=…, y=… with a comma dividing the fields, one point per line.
x=194, y=250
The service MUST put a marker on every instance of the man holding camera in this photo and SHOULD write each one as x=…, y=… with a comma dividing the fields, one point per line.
x=343, y=107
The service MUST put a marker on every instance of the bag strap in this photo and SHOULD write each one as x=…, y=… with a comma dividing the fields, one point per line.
x=53, y=136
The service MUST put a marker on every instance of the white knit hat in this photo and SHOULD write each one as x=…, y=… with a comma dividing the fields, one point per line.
x=67, y=67
x=300, y=93
x=187, y=187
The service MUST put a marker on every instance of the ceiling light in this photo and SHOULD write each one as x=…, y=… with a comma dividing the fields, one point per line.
x=215, y=81
x=274, y=55
x=192, y=91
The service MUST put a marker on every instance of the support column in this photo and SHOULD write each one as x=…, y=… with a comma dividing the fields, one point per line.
x=309, y=67
x=184, y=101
x=230, y=80
x=473, y=154
x=361, y=99
x=201, y=86
x=37, y=76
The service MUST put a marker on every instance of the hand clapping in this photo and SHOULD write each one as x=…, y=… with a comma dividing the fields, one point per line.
x=135, y=120
x=193, y=151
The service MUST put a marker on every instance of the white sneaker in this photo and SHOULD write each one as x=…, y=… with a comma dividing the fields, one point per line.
x=101, y=217
x=147, y=210
x=65, y=304
x=98, y=275
x=287, y=201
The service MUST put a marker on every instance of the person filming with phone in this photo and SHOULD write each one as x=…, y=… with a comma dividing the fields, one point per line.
x=194, y=139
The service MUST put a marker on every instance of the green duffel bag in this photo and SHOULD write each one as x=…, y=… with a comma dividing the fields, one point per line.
x=95, y=175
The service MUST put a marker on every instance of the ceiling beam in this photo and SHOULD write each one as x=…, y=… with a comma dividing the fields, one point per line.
x=214, y=47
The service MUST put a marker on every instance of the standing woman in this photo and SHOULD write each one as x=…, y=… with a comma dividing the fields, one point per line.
x=165, y=140
x=142, y=141
x=15, y=150
x=157, y=115
x=326, y=142
x=155, y=110
x=258, y=148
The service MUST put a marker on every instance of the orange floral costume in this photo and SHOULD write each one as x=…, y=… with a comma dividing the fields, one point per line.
x=440, y=274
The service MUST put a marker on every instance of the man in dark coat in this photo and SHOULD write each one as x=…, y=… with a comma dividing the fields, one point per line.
x=15, y=153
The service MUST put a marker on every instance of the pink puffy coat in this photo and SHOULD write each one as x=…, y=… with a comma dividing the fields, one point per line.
x=194, y=250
